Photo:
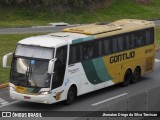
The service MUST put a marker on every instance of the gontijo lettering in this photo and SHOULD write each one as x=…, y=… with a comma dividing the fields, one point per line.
x=121, y=57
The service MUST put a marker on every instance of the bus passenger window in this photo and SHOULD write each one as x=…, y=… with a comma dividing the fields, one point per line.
x=72, y=55
x=100, y=50
x=132, y=40
x=127, y=40
x=114, y=45
x=107, y=46
x=149, y=36
x=140, y=39
x=120, y=41
x=75, y=54
x=62, y=54
x=87, y=51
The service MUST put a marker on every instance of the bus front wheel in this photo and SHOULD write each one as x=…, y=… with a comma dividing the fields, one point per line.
x=71, y=96
x=127, y=78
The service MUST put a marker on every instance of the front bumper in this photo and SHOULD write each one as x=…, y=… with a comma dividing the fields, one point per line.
x=46, y=99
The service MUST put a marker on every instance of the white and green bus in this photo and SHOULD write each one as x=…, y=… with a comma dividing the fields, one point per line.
x=60, y=66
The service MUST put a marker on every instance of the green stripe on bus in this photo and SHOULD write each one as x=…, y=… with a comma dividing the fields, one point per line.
x=96, y=71
x=90, y=72
x=101, y=69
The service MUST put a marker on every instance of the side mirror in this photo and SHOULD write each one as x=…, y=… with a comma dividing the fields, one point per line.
x=51, y=65
x=5, y=59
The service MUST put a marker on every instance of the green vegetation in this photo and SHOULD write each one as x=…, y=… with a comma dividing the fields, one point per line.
x=158, y=36
x=113, y=10
x=7, y=44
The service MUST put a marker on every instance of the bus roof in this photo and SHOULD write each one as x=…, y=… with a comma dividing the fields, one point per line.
x=120, y=25
x=52, y=39
x=86, y=32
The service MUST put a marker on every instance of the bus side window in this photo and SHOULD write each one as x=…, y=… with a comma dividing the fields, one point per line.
x=75, y=54
x=114, y=44
x=132, y=40
x=121, y=45
x=127, y=39
x=72, y=55
x=149, y=36
x=140, y=39
x=62, y=54
x=107, y=46
x=100, y=48
x=87, y=51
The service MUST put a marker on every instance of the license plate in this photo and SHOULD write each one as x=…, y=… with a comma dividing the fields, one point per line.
x=26, y=97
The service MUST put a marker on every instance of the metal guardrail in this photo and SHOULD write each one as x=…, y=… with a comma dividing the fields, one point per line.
x=145, y=101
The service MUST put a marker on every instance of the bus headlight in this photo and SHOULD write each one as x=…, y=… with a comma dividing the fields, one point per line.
x=45, y=92
x=12, y=88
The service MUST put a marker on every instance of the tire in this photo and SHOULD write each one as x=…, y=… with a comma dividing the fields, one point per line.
x=127, y=78
x=71, y=96
x=136, y=75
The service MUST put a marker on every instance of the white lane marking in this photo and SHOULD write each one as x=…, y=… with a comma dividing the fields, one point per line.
x=3, y=102
x=9, y=104
x=157, y=60
x=103, y=101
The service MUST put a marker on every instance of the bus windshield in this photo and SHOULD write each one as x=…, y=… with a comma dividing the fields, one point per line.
x=30, y=70
x=30, y=73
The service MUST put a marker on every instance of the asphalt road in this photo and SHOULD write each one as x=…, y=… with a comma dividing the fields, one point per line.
x=44, y=29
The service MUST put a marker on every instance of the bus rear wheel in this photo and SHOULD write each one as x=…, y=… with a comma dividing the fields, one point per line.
x=127, y=78
x=71, y=96
x=136, y=75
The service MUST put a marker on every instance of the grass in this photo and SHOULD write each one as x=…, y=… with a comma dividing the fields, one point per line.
x=158, y=36
x=7, y=44
x=20, y=17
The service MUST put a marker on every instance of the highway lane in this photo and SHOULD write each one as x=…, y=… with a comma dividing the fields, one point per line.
x=44, y=29
x=4, y=97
